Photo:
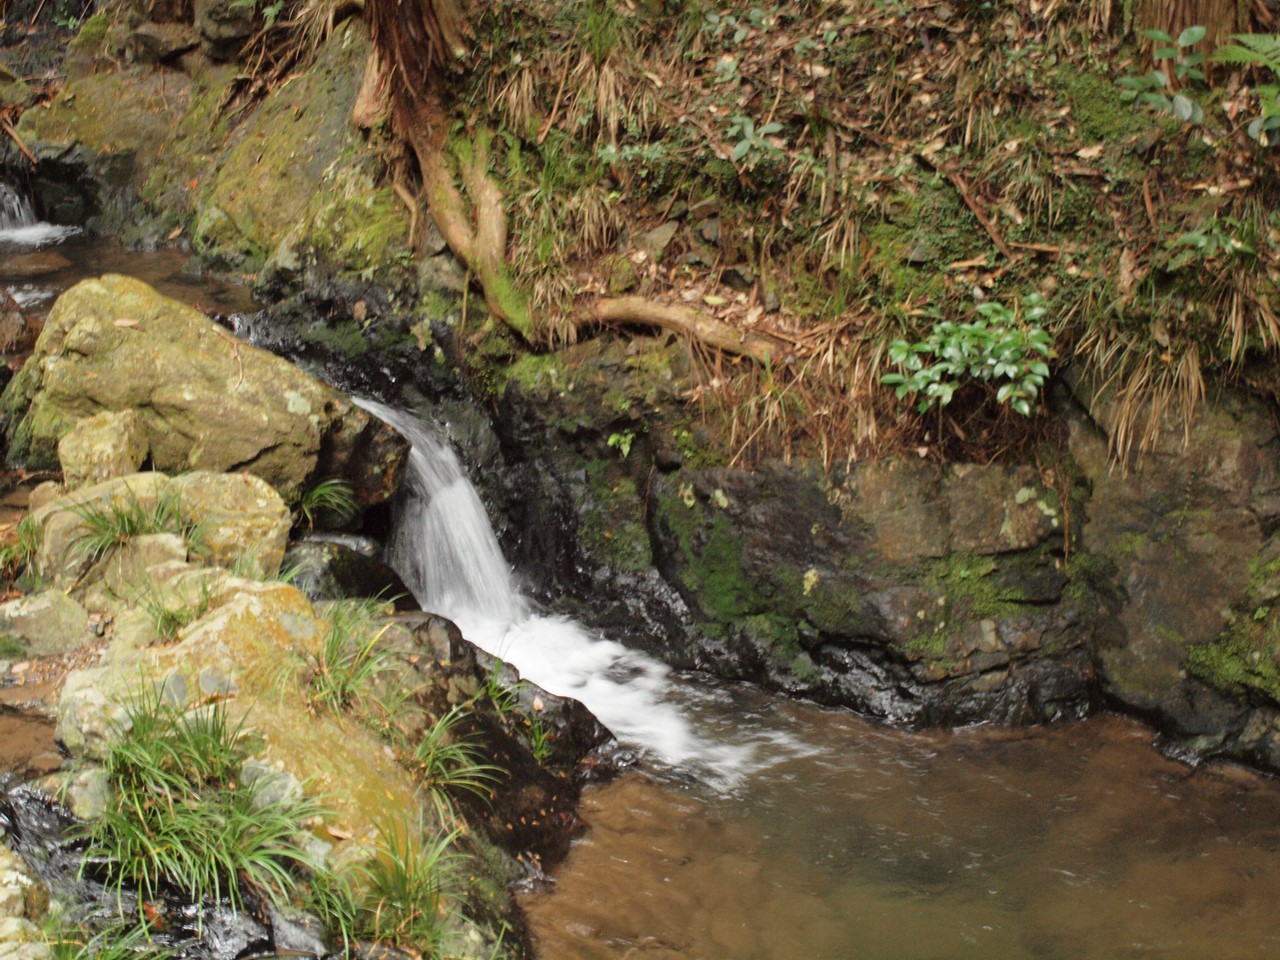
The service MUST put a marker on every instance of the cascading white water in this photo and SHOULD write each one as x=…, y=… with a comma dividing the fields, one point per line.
x=18, y=223
x=445, y=550
x=15, y=210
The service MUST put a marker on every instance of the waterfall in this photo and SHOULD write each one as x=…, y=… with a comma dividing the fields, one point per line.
x=15, y=210
x=18, y=223
x=442, y=544
x=444, y=549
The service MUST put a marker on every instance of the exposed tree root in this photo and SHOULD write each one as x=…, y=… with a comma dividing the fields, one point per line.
x=686, y=321
x=471, y=218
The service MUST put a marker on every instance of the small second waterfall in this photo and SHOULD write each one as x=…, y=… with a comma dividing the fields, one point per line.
x=18, y=223
x=15, y=210
x=444, y=548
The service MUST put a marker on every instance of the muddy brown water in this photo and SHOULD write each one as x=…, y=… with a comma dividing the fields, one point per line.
x=1076, y=841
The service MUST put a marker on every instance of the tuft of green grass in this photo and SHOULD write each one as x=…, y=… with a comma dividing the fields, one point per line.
x=114, y=524
x=408, y=883
x=350, y=659
x=169, y=614
x=450, y=763
x=115, y=941
x=180, y=818
x=17, y=553
x=333, y=496
x=538, y=734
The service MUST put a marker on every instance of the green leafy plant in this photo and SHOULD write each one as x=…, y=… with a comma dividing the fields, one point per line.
x=1156, y=90
x=115, y=523
x=500, y=694
x=333, y=496
x=996, y=347
x=539, y=735
x=1260, y=50
x=1219, y=237
x=350, y=659
x=751, y=147
x=182, y=817
x=450, y=763
x=622, y=442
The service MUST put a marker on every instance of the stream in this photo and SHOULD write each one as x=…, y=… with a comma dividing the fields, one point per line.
x=756, y=828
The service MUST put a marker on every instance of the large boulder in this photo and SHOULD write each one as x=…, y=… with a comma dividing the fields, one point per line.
x=1186, y=536
x=912, y=591
x=206, y=400
x=44, y=624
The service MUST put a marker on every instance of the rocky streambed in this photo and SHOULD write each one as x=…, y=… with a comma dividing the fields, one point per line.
x=153, y=583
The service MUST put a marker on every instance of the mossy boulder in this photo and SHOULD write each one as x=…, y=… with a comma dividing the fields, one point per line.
x=299, y=184
x=231, y=516
x=44, y=624
x=1187, y=535
x=251, y=648
x=206, y=400
x=912, y=591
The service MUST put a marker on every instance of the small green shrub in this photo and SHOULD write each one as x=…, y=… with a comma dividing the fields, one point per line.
x=170, y=613
x=333, y=496
x=1260, y=50
x=539, y=735
x=16, y=554
x=407, y=882
x=995, y=348
x=1154, y=89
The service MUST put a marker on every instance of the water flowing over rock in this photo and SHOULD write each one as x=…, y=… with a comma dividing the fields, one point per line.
x=206, y=400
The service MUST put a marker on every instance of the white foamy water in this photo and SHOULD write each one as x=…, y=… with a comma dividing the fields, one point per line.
x=18, y=224
x=445, y=550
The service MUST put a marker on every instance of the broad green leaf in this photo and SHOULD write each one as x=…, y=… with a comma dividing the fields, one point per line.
x=1191, y=36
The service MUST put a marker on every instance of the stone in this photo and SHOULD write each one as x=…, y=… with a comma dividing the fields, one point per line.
x=48, y=623
x=206, y=400
x=87, y=793
x=256, y=638
x=237, y=514
x=21, y=893
x=223, y=25
x=655, y=242
x=109, y=444
x=151, y=42
x=20, y=939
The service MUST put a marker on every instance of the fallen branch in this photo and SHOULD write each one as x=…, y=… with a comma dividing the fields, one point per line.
x=13, y=135
x=686, y=321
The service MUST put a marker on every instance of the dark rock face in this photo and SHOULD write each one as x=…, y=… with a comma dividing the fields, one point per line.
x=1187, y=537
x=908, y=591
x=869, y=603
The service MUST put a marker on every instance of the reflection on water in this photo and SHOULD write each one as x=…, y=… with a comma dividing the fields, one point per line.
x=1078, y=841
x=36, y=265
